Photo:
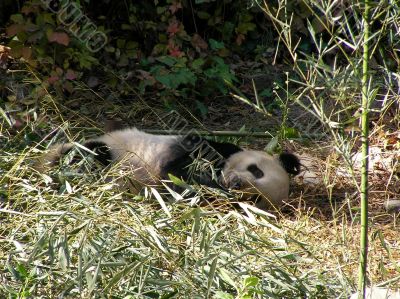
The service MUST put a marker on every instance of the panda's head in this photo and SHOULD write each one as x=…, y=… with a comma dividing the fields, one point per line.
x=258, y=173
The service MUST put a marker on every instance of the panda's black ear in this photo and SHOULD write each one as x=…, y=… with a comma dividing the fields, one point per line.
x=290, y=163
x=225, y=149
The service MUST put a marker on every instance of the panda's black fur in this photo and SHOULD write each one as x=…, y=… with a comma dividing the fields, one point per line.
x=151, y=158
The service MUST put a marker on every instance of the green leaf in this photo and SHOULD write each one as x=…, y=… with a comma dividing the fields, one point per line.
x=227, y=277
x=121, y=43
x=272, y=145
x=223, y=295
x=185, y=76
x=251, y=281
x=132, y=45
x=168, y=60
x=173, y=80
x=127, y=27
x=167, y=80
x=17, y=18
x=266, y=93
x=290, y=133
x=197, y=63
x=48, y=18
x=176, y=181
x=245, y=27
x=22, y=271
x=161, y=9
x=215, y=45
x=245, y=18
x=220, y=70
x=16, y=48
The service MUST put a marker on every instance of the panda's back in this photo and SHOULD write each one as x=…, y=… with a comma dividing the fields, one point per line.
x=140, y=149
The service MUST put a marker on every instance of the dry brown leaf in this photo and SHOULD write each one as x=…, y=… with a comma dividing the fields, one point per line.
x=59, y=37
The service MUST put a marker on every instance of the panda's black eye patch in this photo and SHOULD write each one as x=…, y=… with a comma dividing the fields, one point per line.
x=255, y=171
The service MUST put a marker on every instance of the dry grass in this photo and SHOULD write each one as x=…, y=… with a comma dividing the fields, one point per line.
x=68, y=234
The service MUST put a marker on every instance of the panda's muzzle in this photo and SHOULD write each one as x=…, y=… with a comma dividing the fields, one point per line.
x=233, y=182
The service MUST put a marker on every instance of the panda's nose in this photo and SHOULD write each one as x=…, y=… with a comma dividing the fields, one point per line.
x=234, y=183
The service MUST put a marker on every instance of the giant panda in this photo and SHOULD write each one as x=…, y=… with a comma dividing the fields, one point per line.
x=149, y=159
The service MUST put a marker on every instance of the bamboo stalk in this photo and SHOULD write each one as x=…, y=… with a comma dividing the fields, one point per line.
x=215, y=133
x=362, y=278
x=265, y=135
x=210, y=133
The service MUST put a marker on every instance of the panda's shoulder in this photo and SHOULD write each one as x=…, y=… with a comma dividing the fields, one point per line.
x=127, y=136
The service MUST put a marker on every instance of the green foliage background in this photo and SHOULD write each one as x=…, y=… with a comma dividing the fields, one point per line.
x=184, y=48
x=172, y=45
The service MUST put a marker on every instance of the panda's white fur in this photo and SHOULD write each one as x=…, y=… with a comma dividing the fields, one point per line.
x=148, y=158
x=143, y=154
x=273, y=186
